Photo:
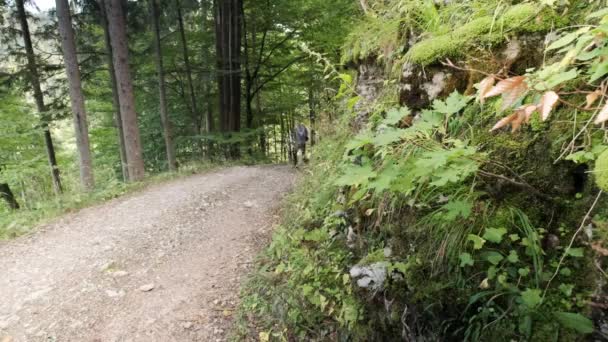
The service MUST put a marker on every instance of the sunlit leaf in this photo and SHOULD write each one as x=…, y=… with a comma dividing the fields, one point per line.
x=485, y=86
x=511, y=90
x=478, y=242
x=602, y=116
x=531, y=298
x=466, y=260
x=494, y=234
x=547, y=103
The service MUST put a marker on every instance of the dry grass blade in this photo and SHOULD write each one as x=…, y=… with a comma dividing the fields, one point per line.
x=547, y=103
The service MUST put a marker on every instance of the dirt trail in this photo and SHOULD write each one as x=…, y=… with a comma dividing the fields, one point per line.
x=164, y=264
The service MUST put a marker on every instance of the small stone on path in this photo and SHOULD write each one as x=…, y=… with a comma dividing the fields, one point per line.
x=146, y=288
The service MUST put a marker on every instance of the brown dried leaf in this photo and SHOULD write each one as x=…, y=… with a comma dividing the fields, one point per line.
x=592, y=97
x=599, y=249
x=504, y=122
x=485, y=86
x=506, y=86
x=516, y=123
x=547, y=103
x=603, y=116
x=528, y=111
x=511, y=89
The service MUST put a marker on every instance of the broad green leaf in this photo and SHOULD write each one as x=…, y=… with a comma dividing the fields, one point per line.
x=360, y=140
x=492, y=272
x=567, y=39
x=599, y=71
x=385, y=177
x=457, y=208
x=575, y=321
x=559, y=78
x=452, y=105
x=494, y=234
x=575, y=252
x=566, y=289
x=356, y=175
x=388, y=136
x=581, y=157
x=432, y=160
x=493, y=257
x=513, y=257
x=531, y=298
x=514, y=237
x=523, y=271
x=466, y=260
x=395, y=115
x=477, y=241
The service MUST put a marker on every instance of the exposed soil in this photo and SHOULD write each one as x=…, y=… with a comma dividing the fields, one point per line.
x=164, y=264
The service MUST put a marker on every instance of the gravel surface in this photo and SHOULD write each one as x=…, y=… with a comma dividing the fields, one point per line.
x=164, y=264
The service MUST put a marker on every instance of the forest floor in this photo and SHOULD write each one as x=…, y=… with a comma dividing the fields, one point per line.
x=164, y=264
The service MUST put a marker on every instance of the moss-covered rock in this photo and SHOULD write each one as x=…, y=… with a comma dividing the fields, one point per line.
x=518, y=19
x=601, y=171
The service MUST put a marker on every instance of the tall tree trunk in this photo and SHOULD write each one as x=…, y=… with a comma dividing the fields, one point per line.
x=164, y=116
x=126, y=97
x=248, y=75
x=76, y=96
x=7, y=195
x=228, y=45
x=34, y=79
x=196, y=117
x=115, y=102
x=311, y=107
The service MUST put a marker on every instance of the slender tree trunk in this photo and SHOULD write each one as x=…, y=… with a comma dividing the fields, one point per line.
x=7, y=195
x=76, y=96
x=126, y=97
x=196, y=117
x=248, y=75
x=311, y=107
x=34, y=79
x=115, y=101
x=164, y=116
x=228, y=45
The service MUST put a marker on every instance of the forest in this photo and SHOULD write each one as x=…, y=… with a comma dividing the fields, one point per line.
x=458, y=155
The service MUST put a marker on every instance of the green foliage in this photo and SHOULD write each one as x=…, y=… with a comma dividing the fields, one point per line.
x=471, y=244
x=601, y=171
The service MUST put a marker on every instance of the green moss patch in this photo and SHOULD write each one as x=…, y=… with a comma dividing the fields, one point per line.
x=488, y=29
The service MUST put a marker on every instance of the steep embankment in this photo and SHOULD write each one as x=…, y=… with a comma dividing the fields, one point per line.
x=465, y=198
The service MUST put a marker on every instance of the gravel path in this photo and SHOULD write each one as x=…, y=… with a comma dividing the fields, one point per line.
x=164, y=264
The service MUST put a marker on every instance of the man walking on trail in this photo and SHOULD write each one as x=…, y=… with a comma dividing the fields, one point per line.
x=299, y=138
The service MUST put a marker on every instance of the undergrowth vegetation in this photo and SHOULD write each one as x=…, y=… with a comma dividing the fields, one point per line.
x=440, y=225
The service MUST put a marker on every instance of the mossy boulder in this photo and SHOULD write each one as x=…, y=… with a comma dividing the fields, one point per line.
x=601, y=171
x=519, y=19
